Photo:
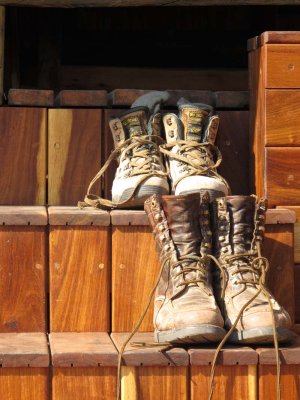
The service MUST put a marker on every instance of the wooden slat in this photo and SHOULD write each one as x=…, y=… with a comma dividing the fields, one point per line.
x=129, y=217
x=74, y=153
x=230, y=382
x=278, y=248
x=280, y=216
x=232, y=99
x=297, y=294
x=145, y=354
x=279, y=37
x=24, y=383
x=23, y=215
x=135, y=266
x=82, y=350
x=84, y=383
x=289, y=354
x=281, y=113
x=63, y=215
x=282, y=66
x=283, y=175
x=229, y=355
x=296, y=210
x=79, y=278
x=82, y=98
x=31, y=97
x=23, y=263
x=24, y=350
x=23, y=156
x=289, y=382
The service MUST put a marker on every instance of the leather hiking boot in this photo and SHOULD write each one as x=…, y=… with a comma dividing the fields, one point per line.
x=141, y=171
x=191, y=151
x=185, y=310
x=240, y=280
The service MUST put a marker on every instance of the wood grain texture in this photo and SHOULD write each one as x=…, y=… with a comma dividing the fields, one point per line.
x=282, y=66
x=289, y=354
x=297, y=242
x=278, y=248
x=82, y=350
x=63, y=215
x=129, y=217
x=229, y=355
x=23, y=262
x=23, y=215
x=74, y=153
x=24, y=383
x=84, y=383
x=141, y=352
x=232, y=140
x=23, y=156
x=280, y=216
x=129, y=383
x=232, y=99
x=135, y=266
x=79, y=279
x=279, y=37
x=24, y=350
x=289, y=379
x=283, y=175
x=281, y=114
x=30, y=97
x=82, y=98
x=231, y=382
x=297, y=293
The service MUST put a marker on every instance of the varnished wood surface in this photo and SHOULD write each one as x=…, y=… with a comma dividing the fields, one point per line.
x=289, y=379
x=231, y=382
x=278, y=248
x=282, y=66
x=63, y=215
x=24, y=350
x=229, y=355
x=23, y=215
x=141, y=352
x=297, y=294
x=283, y=175
x=82, y=98
x=23, y=263
x=23, y=156
x=129, y=217
x=31, y=97
x=282, y=108
x=279, y=37
x=91, y=383
x=135, y=266
x=280, y=216
x=24, y=383
x=79, y=279
x=74, y=153
x=70, y=349
x=289, y=354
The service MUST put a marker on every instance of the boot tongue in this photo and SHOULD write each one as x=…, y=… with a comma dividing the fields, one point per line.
x=242, y=212
x=135, y=122
x=193, y=119
x=182, y=213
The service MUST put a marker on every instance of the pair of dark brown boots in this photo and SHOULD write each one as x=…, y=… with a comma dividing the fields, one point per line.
x=212, y=272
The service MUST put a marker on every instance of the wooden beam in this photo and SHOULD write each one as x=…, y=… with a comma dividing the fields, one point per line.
x=134, y=3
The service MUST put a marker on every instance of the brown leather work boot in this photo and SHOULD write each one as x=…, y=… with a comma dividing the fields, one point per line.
x=185, y=309
x=238, y=232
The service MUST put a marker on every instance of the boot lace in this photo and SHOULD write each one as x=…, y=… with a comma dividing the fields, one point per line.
x=195, y=157
x=257, y=265
x=143, y=158
x=188, y=265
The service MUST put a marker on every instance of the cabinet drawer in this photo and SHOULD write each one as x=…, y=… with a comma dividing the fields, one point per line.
x=283, y=66
x=282, y=118
x=282, y=175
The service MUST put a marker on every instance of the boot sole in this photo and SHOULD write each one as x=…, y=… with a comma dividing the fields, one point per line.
x=193, y=334
x=213, y=194
x=261, y=335
x=140, y=196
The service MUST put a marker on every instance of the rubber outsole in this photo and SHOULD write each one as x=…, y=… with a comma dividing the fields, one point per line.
x=193, y=334
x=140, y=196
x=261, y=335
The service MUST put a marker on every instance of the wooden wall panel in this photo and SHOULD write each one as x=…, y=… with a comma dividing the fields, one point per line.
x=297, y=293
x=74, y=153
x=278, y=248
x=79, y=278
x=23, y=156
x=135, y=266
x=290, y=382
x=24, y=383
x=23, y=263
x=84, y=383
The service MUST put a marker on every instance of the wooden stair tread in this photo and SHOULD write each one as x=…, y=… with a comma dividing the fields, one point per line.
x=82, y=98
x=129, y=217
x=23, y=215
x=24, y=350
x=87, y=349
x=64, y=215
x=149, y=354
x=31, y=97
x=229, y=355
x=289, y=354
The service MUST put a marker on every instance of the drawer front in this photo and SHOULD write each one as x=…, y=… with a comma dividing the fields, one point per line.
x=283, y=175
x=283, y=66
x=282, y=126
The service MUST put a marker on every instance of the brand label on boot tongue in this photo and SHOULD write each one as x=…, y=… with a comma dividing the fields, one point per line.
x=194, y=125
x=133, y=125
